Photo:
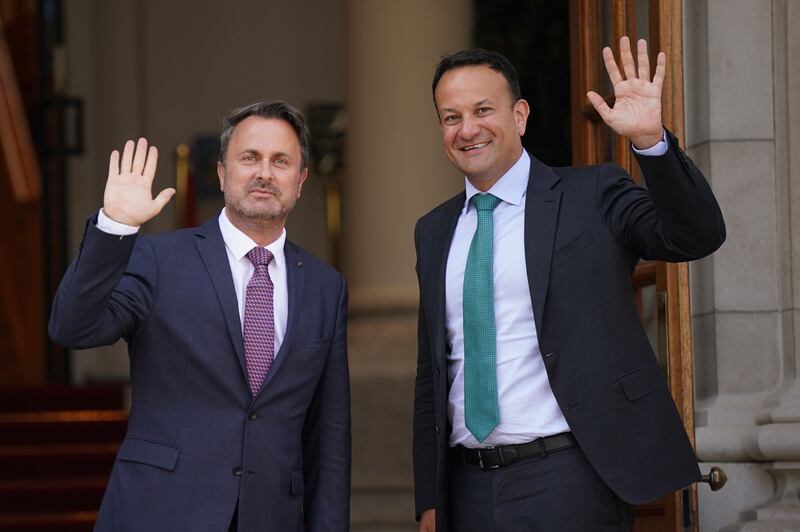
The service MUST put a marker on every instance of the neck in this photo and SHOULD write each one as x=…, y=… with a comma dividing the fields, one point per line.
x=262, y=231
x=482, y=184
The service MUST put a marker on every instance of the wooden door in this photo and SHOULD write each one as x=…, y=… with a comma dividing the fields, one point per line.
x=662, y=290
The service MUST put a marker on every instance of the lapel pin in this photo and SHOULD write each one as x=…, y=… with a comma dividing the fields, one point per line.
x=300, y=263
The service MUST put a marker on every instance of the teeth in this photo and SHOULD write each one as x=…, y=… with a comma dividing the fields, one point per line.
x=474, y=146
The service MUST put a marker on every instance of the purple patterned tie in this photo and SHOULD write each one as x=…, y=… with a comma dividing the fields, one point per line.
x=259, y=322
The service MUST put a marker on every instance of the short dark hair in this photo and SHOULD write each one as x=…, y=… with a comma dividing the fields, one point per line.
x=266, y=109
x=474, y=57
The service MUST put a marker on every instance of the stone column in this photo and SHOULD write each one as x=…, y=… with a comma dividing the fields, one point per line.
x=395, y=171
x=395, y=167
x=742, y=101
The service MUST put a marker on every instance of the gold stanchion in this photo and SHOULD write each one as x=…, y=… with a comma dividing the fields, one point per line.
x=181, y=184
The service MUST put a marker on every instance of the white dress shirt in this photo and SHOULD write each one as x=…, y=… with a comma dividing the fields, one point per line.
x=528, y=408
x=237, y=244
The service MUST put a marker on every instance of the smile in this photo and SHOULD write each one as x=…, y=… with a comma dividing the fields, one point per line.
x=475, y=146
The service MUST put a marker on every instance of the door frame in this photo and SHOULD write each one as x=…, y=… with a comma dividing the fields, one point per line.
x=592, y=144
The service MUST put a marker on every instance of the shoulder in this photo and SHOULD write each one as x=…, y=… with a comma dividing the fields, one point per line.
x=442, y=211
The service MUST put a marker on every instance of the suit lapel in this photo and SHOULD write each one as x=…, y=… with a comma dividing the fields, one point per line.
x=295, y=282
x=212, y=251
x=440, y=249
x=541, y=215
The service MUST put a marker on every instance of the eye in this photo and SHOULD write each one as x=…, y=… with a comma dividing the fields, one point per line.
x=248, y=157
x=484, y=110
x=281, y=162
x=450, y=119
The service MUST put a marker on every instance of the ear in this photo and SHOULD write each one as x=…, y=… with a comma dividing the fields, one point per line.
x=521, y=112
x=303, y=177
x=221, y=175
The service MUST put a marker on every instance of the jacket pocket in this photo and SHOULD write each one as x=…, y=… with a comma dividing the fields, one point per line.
x=642, y=381
x=149, y=452
x=297, y=483
x=572, y=248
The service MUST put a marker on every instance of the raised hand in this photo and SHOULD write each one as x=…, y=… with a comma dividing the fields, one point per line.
x=637, y=107
x=128, y=198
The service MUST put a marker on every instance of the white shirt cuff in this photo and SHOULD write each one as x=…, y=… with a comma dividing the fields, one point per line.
x=107, y=225
x=654, y=151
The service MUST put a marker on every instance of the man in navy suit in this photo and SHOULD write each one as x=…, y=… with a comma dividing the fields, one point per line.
x=240, y=418
x=539, y=404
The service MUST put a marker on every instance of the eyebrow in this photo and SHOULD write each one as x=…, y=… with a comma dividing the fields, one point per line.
x=476, y=104
x=273, y=155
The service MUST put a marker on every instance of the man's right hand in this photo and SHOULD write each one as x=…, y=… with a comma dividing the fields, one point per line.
x=427, y=521
x=128, y=198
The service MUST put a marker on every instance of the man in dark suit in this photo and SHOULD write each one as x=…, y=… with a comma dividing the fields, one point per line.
x=240, y=418
x=539, y=404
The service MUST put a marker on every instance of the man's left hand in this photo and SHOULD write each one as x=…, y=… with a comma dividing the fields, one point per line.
x=637, y=107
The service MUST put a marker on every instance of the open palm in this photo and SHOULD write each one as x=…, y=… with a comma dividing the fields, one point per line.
x=128, y=197
x=637, y=99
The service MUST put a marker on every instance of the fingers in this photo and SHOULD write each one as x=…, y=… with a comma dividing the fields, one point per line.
x=644, y=61
x=136, y=159
x=627, y=58
x=661, y=68
x=152, y=162
x=139, y=157
x=113, y=164
x=127, y=157
x=163, y=198
x=599, y=104
x=611, y=66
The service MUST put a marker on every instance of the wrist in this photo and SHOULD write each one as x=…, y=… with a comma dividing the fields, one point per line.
x=644, y=142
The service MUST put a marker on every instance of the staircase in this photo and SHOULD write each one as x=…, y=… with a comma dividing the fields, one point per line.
x=57, y=446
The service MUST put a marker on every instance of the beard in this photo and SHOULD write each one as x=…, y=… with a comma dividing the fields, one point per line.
x=263, y=209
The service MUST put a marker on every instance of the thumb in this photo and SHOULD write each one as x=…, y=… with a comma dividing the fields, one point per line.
x=163, y=198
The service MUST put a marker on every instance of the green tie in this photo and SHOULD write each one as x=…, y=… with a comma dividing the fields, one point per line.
x=481, y=409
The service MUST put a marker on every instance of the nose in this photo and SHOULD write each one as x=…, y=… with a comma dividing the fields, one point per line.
x=264, y=170
x=469, y=127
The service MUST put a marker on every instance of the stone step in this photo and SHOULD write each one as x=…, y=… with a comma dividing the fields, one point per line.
x=48, y=522
x=59, y=397
x=69, y=426
x=57, y=461
x=382, y=510
x=51, y=495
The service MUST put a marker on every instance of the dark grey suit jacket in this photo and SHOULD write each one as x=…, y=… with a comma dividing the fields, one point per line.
x=197, y=442
x=585, y=230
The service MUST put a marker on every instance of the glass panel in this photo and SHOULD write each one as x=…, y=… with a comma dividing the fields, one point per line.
x=643, y=20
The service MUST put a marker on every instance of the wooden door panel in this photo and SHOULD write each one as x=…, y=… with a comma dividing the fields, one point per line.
x=661, y=290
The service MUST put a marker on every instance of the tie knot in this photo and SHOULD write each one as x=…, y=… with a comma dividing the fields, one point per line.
x=485, y=202
x=259, y=256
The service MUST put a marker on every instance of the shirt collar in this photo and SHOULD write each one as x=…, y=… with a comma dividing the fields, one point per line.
x=239, y=244
x=511, y=186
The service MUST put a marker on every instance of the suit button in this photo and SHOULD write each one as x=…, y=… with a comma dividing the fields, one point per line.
x=436, y=428
x=237, y=471
x=253, y=416
x=438, y=372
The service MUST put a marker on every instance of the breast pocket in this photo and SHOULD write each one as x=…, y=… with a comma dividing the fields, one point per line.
x=572, y=249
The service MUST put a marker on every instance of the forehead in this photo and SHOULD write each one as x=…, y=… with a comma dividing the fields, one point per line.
x=468, y=85
x=264, y=135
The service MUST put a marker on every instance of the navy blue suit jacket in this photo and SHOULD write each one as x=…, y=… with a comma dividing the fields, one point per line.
x=585, y=230
x=197, y=442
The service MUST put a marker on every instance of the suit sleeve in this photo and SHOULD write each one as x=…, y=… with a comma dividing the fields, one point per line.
x=326, y=437
x=424, y=437
x=106, y=292
x=676, y=218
